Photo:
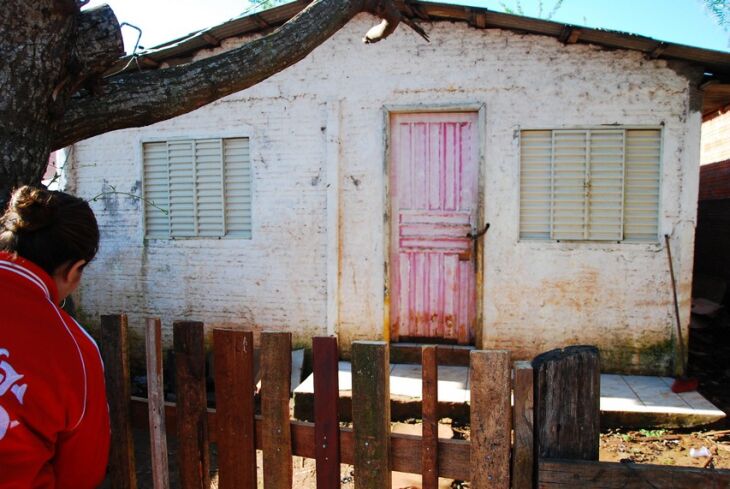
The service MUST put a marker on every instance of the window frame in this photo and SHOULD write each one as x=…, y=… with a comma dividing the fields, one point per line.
x=184, y=136
x=660, y=186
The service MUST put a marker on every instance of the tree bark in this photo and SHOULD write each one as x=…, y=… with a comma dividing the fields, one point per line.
x=50, y=50
x=47, y=50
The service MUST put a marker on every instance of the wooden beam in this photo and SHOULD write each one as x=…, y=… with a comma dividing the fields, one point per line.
x=148, y=62
x=114, y=353
x=371, y=414
x=567, y=403
x=429, y=409
x=211, y=39
x=658, y=50
x=260, y=21
x=405, y=452
x=275, y=390
x=156, y=396
x=556, y=473
x=192, y=427
x=569, y=35
x=234, y=398
x=479, y=20
x=491, y=426
x=523, y=468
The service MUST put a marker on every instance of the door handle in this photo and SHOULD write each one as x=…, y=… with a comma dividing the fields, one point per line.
x=476, y=236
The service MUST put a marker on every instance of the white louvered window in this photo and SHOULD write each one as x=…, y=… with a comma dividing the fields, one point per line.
x=597, y=184
x=197, y=188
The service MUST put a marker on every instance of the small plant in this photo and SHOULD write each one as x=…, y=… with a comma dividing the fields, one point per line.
x=652, y=433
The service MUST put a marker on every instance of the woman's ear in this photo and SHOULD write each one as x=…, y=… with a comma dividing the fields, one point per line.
x=74, y=272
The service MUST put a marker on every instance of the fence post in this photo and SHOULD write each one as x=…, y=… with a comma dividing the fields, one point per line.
x=192, y=405
x=567, y=403
x=156, y=400
x=523, y=464
x=114, y=350
x=491, y=414
x=235, y=410
x=275, y=390
x=371, y=414
x=429, y=415
x=326, y=419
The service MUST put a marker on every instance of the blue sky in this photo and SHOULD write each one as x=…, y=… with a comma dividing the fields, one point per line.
x=679, y=21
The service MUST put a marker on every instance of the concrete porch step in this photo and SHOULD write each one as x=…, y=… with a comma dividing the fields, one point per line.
x=626, y=400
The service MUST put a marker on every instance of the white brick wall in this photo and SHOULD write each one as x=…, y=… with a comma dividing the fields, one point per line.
x=319, y=127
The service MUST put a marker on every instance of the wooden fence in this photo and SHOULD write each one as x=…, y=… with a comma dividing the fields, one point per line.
x=369, y=445
x=558, y=393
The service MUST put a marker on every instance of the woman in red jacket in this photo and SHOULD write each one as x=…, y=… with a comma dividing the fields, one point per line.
x=54, y=419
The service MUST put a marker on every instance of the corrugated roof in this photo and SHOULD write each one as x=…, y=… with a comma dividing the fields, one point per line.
x=181, y=50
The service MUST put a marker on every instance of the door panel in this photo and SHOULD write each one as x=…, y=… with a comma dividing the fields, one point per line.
x=434, y=185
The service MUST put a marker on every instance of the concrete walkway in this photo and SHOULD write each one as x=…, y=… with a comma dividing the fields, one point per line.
x=629, y=401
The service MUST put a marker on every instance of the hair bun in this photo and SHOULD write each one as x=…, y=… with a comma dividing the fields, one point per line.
x=29, y=210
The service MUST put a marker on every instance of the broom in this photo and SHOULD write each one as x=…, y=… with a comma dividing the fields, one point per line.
x=681, y=383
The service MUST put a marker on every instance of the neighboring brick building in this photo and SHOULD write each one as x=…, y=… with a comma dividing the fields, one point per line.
x=716, y=137
x=335, y=197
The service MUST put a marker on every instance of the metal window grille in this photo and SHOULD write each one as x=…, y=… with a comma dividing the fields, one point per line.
x=590, y=184
x=204, y=185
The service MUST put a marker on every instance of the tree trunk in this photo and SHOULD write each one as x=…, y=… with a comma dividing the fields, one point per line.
x=50, y=50
x=42, y=66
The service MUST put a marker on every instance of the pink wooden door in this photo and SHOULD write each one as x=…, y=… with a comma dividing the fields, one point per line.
x=434, y=177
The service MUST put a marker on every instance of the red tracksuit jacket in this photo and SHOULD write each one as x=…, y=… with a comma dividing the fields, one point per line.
x=54, y=418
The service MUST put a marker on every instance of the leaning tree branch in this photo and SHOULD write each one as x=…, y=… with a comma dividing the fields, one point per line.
x=143, y=98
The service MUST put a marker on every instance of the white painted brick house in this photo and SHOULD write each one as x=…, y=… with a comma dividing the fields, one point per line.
x=336, y=196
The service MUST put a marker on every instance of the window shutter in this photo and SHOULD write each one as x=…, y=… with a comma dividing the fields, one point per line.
x=156, y=190
x=606, y=185
x=182, y=188
x=535, y=184
x=569, y=184
x=641, y=199
x=237, y=187
x=209, y=188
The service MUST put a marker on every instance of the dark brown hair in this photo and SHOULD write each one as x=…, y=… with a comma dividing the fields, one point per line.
x=49, y=228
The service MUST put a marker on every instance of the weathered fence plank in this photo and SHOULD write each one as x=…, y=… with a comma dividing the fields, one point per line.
x=429, y=409
x=555, y=473
x=114, y=351
x=405, y=455
x=234, y=397
x=326, y=419
x=523, y=468
x=371, y=414
x=192, y=422
x=567, y=403
x=156, y=396
x=275, y=389
x=490, y=385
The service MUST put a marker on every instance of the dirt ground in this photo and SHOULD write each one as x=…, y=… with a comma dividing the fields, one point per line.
x=709, y=361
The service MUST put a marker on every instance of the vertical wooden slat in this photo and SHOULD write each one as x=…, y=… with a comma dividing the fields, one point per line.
x=234, y=398
x=490, y=384
x=567, y=403
x=371, y=414
x=156, y=399
x=275, y=389
x=523, y=467
x=114, y=350
x=429, y=407
x=192, y=420
x=326, y=419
